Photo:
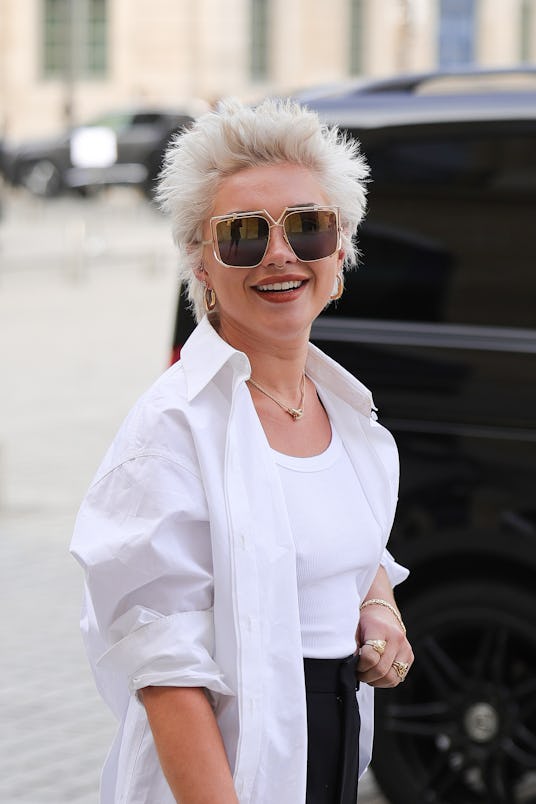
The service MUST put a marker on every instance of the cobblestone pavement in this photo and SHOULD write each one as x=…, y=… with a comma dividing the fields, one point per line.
x=86, y=307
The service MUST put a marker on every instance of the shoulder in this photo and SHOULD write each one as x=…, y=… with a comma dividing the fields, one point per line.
x=156, y=427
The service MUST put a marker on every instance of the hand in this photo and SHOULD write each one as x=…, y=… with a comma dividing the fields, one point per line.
x=378, y=623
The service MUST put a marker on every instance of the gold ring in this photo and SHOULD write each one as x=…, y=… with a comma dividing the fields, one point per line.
x=401, y=669
x=378, y=645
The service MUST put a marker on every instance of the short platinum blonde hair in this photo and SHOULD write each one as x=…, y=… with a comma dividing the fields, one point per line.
x=234, y=137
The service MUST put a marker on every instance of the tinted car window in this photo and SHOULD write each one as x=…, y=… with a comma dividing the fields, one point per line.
x=146, y=119
x=445, y=238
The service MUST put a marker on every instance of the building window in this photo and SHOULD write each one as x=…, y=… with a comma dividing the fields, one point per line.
x=259, y=35
x=456, y=33
x=528, y=11
x=356, y=37
x=74, y=38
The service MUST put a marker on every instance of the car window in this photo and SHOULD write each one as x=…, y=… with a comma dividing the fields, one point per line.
x=445, y=238
x=146, y=118
x=114, y=120
x=495, y=161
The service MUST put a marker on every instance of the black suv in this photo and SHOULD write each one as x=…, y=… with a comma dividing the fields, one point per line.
x=124, y=147
x=440, y=321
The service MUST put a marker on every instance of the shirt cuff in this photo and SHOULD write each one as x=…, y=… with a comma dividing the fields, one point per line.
x=174, y=651
x=395, y=572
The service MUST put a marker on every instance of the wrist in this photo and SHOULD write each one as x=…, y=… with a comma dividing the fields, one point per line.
x=377, y=601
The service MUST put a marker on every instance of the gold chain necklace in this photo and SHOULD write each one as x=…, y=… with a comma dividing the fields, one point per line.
x=296, y=413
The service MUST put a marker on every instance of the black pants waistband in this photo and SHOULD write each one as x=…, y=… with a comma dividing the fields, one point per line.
x=338, y=677
x=326, y=675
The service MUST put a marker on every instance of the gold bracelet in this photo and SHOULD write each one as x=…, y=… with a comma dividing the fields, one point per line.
x=376, y=601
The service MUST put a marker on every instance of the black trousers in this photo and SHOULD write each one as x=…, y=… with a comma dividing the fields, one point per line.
x=333, y=730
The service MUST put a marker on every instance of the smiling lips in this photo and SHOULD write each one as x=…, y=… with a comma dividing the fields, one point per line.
x=278, y=286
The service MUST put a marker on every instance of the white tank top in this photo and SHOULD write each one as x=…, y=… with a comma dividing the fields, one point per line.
x=338, y=546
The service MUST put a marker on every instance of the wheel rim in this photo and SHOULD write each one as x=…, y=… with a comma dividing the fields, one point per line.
x=464, y=722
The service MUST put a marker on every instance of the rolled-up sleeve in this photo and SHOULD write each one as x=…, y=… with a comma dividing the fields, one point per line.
x=173, y=651
x=395, y=571
x=143, y=538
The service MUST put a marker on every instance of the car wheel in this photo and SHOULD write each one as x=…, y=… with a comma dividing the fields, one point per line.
x=42, y=178
x=462, y=727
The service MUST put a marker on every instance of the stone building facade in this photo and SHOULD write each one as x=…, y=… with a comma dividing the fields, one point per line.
x=63, y=61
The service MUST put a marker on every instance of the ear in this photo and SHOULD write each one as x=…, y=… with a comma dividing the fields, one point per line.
x=200, y=273
x=340, y=258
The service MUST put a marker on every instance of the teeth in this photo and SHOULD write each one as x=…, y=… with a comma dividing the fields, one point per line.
x=280, y=286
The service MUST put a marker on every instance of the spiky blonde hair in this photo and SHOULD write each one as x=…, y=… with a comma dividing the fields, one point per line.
x=235, y=137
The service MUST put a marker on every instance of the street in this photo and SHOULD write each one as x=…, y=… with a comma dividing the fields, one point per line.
x=87, y=300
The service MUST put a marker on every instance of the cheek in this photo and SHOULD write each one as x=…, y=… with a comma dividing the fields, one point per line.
x=228, y=283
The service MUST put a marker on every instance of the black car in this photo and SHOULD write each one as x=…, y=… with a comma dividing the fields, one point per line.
x=119, y=148
x=440, y=321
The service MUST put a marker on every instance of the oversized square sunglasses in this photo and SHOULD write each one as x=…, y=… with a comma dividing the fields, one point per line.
x=240, y=240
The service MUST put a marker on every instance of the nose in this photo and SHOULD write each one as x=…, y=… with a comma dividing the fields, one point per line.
x=278, y=252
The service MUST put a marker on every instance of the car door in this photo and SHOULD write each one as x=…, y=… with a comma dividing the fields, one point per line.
x=440, y=321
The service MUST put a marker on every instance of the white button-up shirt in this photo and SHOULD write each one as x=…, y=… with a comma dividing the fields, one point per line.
x=191, y=573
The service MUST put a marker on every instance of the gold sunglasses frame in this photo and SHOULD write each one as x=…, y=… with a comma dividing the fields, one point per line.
x=262, y=213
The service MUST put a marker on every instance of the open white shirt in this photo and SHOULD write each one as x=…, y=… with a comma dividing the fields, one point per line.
x=191, y=570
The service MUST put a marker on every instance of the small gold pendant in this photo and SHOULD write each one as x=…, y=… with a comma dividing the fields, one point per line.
x=296, y=413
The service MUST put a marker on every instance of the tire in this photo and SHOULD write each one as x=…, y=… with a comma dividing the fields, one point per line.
x=42, y=178
x=462, y=727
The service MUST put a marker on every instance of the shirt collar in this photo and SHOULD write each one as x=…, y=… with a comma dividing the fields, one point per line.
x=329, y=374
x=204, y=354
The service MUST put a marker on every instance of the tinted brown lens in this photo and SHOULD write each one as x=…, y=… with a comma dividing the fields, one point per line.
x=312, y=233
x=242, y=241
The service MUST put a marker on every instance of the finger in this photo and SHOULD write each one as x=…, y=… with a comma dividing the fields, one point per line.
x=378, y=645
x=387, y=672
x=395, y=675
x=387, y=678
x=368, y=659
x=384, y=683
x=375, y=679
x=373, y=670
x=401, y=669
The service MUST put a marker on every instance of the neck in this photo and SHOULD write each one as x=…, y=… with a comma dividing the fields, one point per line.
x=279, y=367
x=279, y=377
x=295, y=410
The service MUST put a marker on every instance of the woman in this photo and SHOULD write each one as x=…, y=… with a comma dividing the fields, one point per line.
x=237, y=581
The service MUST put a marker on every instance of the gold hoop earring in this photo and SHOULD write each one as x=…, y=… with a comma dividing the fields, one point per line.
x=338, y=288
x=209, y=299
